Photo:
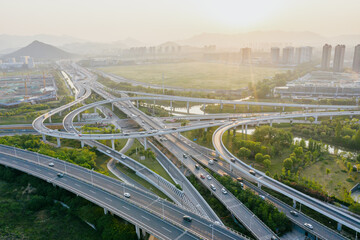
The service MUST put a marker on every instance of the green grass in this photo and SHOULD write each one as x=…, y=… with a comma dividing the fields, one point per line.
x=195, y=74
x=130, y=173
x=152, y=164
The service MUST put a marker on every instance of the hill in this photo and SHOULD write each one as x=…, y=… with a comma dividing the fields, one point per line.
x=40, y=50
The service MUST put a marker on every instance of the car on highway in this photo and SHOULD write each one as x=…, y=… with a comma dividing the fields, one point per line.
x=241, y=185
x=211, y=162
x=202, y=176
x=127, y=195
x=232, y=160
x=239, y=179
x=123, y=157
x=208, y=177
x=174, y=128
x=223, y=190
x=215, y=159
x=262, y=197
x=252, y=172
x=197, y=166
x=217, y=223
x=308, y=225
x=294, y=213
x=184, y=155
x=51, y=164
x=212, y=187
x=60, y=175
x=108, y=151
x=187, y=218
x=126, y=134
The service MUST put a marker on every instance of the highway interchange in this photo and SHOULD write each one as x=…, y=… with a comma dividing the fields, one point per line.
x=209, y=223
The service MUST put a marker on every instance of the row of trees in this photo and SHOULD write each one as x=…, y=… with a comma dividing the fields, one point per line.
x=84, y=157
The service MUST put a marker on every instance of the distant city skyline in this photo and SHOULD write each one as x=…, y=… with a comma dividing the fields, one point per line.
x=162, y=20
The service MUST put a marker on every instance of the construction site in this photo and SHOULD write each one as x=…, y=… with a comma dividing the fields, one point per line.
x=33, y=89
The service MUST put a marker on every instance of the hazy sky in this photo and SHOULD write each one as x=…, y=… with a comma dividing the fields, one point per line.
x=159, y=20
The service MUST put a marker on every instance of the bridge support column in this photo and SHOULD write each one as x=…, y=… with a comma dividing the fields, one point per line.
x=351, y=116
x=154, y=107
x=204, y=106
x=43, y=137
x=82, y=144
x=105, y=211
x=145, y=143
x=271, y=121
x=50, y=119
x=234, y=106
x=242, y=130
x=234, y=132
x=60, y=113
x=58, y=142
x=331, y=117
x=187, y=107
x=137, y=229
x=275, y=108
x=205, y=129
x=259, y=184
x=246, y=129
x=78, y=116
x=171, y=108
x=283, y=109
x=262, y=108
x=94, y=109
x=248, y=107
x=143, y=233
x=137, y=103
x=305, y=118
x=294, y=203
x=221, y=106
x=316, y=119
x=339, y=227
x=113, y=144
x=258, y=124
x=228, y=132
x=112, y=106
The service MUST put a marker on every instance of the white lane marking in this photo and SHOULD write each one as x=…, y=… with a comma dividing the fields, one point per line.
x=126, y=208
x=166, y=229
x=145, y=218
x=181, y=235
x=108, y=199
x=92, y=191
x=77, y=185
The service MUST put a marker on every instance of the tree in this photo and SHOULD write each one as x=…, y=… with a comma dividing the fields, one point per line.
x=311, y=119
x=288, y=164
x=267, y=163
x=259, y=157
x=244, y=152
x=298, y=151
x=327, y=171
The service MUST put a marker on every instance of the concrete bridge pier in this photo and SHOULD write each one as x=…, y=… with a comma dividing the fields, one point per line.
x=331, y=118
x=78, y=117
x=204, y=106
x=137, y=103
x=187, y=107
x=271, y=121
x=248, y=107
x=262, y=108
x=283, y=109
x=105, y=211
x=82, y=144
x=294, y=203
x=60, y=113
x=205, y=129
x=242, y=129
x=221, y=106
x=234, y=132
x=259, y=184
x=43, y=137
x=339, y=226
x=275, y=108
x=58, y=142
x=171, y=107
x=258, y=124
x=234, y=106
x=305, y=118
x=49, y=119
x=246, y=129
x=113, y=144
x=228, y=132
x=137, y=229
x=145, y=143
x=316, y=119
x=112, y=106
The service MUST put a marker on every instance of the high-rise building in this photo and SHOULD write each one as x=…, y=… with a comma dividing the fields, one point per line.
x=326, y=57
x=24, y=59
x=339, y=58
x=275, y=55
x=31, y=63
x=288, y=55
x=246, y=55
x=303, y=54
x=356, y=62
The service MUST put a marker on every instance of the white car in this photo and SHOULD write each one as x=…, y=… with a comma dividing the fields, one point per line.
x=51, y=164
x=208, y=177
x=123, y=157
x=108, y=151
x=223, y=190
x=308, y=225
x=211, y=162
x=213, y=187
x=127, y=195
